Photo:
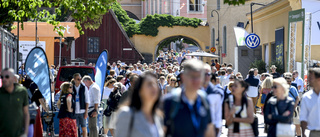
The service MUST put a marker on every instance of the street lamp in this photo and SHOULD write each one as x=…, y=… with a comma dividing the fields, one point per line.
x=218, y=40
x=253, y=3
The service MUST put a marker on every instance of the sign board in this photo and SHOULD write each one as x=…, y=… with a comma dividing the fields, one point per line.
x=295, y=17
x=241, y=35
x=213, y=49
x=252, y=41
x=26, y=46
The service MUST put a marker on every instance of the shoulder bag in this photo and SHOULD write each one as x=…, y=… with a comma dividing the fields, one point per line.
x=284, y=129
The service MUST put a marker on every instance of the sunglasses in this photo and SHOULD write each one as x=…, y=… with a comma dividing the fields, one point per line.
x=6, y=76
x=173, y=80
x=70, y=87
x=274, y=87
x=79, y=79
x=231, y=78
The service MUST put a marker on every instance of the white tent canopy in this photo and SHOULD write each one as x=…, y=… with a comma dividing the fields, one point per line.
x=202, y=54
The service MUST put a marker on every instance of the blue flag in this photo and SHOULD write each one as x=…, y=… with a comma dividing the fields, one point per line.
x=101, y=70
x=36, y=67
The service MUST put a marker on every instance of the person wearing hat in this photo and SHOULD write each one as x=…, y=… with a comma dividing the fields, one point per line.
x=274, y=73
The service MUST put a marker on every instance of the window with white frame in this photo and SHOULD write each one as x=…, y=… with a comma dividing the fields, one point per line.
x=93, y=44
x=195, y=5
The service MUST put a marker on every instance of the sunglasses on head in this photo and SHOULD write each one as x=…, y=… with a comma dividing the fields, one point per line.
x=6, y=76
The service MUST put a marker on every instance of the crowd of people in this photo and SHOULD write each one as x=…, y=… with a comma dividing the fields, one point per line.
x=175, y=96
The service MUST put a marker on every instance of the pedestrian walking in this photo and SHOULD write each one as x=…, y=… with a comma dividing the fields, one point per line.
x=94, y=97
x=112, y=107
x=140, y=117
x=13, y=106
x=279, y=109
x=310, y=105
x=274, y=72
x=266, y=88
x=299, y=81
x=215, y=98
x=253, y=88
x=108, y=88
x=171, y=86
x=293, y=93
x=239, y=111
x=187, y=112
x=67, y=119
x=80, y=94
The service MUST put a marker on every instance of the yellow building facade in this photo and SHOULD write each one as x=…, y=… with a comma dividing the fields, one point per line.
x=275, y=16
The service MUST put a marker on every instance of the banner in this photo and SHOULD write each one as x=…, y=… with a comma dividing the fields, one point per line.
x=241, y=35
x=101, y=70
x=279, y=41
x=36, y=67
x=310, y=6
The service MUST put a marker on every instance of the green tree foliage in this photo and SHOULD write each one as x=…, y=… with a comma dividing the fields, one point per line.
x=150, y=24
x=260, y=65
x=88, y=13
x=234, y=2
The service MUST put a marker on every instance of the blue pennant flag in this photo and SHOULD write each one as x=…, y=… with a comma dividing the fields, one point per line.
x=101, y=70
x=36, y=67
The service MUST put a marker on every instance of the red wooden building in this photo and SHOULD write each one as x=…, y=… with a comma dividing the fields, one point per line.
x=110, y=35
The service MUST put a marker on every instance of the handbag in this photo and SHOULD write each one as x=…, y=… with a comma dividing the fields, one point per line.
x=259, y=104
x=284, y=129
x=254, y=126
x=263, y=98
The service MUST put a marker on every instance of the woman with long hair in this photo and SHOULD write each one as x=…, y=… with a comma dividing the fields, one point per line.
x=140, y=119
x=239, y=112
x=279, y=109
x=67, y=122
x=172, y=85
x=108, y=88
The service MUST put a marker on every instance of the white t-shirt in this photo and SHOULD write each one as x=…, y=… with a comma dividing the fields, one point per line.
x=299, y=82
x=106, y=92
x=77, y=99
x=137, y=71
x=94, y=95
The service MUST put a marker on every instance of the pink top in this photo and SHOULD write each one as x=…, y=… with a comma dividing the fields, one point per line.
x=266, y=90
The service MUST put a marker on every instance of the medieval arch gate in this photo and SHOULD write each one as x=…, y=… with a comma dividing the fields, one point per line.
x=149, y=44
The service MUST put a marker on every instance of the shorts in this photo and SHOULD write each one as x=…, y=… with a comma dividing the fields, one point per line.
x=81, y=122
x=296, y=118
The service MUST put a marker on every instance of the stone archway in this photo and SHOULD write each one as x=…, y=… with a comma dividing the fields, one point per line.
x=132, y=15
x=173, y=38
x=149, y=44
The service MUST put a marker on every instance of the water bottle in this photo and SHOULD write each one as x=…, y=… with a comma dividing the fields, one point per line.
x=231, y=101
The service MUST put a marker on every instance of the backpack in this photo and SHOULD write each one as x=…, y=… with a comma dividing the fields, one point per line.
x=226, y=96
x=175, y=106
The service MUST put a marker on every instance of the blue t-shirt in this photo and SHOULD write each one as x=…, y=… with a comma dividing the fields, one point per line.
x=293, y=93
x=183, y=121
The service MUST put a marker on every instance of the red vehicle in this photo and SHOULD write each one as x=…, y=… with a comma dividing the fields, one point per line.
x=65, y=73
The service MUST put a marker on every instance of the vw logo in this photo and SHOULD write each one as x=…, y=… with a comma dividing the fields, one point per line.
x=252, y=41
